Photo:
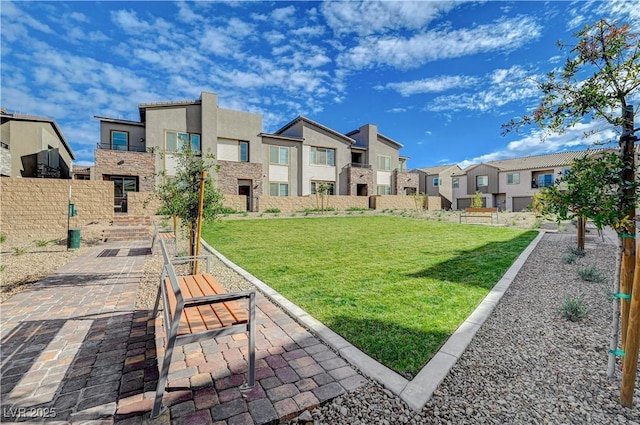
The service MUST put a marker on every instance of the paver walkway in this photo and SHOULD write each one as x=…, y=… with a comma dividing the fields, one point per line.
x=75, y=350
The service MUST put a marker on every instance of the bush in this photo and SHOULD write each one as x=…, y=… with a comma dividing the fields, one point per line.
x=591, y=274
x=357, y=209
x=574, y=309
x=273, y=210
x=577, y=251
x=3, y=237
x=228, y=210
x=569, y=258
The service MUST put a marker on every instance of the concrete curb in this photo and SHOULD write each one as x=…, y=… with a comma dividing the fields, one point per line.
x=417, y=392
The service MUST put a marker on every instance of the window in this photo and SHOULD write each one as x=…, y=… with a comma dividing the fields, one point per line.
x=322, y=156
x=195, y=142
x=513, y=178
x=279, y=155
x=244, y=151
x=545, y=180
x=384, y=163
x=279, y=189
x=436, y=182
x=455, y=182
x=384, y=189
x=119, y=140
x=330, y=187
x=175, y=141
x=565, y=172
x=482, y=181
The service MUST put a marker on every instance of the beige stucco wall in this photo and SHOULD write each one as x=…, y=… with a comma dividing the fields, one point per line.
x=300, y=203
x=26, y=139
x=38, y=208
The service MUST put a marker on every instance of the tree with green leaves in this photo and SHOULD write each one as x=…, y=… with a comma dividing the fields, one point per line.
x=598, y=78
x=180, y=194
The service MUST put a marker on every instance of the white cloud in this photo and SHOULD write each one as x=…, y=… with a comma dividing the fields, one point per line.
x=432, y=85
x=129, y=22
x=79, y=17
x=186, y=14
x=365, y=18
x=504, y=35
x=283, y=14
x=539, y=143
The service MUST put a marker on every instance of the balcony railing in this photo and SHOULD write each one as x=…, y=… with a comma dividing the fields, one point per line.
x=359, y=165
x=111, y=147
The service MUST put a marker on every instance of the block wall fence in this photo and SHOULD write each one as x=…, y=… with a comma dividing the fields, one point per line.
x=38, y=208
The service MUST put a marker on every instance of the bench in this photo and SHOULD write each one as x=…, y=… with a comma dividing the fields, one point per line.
x=480, y=213
x=196, y=307
x=161, y=233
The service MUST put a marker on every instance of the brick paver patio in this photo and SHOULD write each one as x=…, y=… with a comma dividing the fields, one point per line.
x=75, y=350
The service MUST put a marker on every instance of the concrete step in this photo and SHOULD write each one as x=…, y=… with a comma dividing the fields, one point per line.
x=130, y=220
x=126, y=233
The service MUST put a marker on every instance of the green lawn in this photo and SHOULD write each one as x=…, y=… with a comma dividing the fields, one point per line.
x=395, y=287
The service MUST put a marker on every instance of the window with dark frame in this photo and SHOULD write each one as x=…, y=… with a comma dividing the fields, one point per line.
x=243, y=148
x=119, y=140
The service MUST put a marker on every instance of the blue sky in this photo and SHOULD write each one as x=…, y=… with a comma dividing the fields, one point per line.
x=438, y=77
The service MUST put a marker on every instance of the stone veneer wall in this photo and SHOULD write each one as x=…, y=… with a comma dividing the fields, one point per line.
x=229, y=174
x=404, y=179
x=38, y=208
x=300, y=203
x=358, y=176
x=121, y=163
x=393, y=202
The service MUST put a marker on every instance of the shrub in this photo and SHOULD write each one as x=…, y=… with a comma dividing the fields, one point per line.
x=591, y=274
x=357, y=209
x=577, y=251
x=2, y=267
x=228, y=210
x=41, y=243
x=19, y=251
x=569, y=258
x=3, y=237
x=273, y=210
x=574, y=309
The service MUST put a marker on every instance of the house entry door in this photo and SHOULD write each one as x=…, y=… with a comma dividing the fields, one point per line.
x=122, y=186
x=244, y=188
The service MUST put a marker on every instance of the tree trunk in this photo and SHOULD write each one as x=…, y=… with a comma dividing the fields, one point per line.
x=199, y=225
x=615, y=320
x=581, y=232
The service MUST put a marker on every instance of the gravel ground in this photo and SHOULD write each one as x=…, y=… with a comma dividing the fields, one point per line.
x=23, y=262
x=526, y=365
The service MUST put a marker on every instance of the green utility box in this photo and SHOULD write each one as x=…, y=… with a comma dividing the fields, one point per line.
x=72, y=210
x=73, y=238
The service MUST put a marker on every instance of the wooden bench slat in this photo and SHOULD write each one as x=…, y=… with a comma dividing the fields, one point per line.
x=234, y=307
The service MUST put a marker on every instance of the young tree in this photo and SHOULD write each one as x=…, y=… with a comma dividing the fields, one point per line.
x=602, y=73
x=180, y=194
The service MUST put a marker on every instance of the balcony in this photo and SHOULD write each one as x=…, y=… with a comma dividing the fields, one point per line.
x=359, y=165
x=109, y=146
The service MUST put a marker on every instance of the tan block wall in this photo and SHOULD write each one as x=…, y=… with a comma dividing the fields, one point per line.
x=142, y=203
x=433, y=203
x=38, y=208
x=237, y=202
x=393, y=202
x=300, y=203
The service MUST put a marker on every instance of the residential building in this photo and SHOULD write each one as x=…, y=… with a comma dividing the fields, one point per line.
x=293, y=161
x=510, y=184
x=437, y=181
x=33, y=147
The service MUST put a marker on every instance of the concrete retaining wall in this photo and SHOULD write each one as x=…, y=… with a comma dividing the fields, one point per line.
x=301, y=203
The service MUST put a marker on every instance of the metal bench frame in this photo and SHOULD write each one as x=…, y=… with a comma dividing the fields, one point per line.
x=172, y=319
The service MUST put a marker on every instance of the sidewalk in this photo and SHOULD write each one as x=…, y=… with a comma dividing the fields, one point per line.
x=75, y=350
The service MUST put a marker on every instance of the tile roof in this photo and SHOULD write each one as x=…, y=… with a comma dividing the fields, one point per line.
x=541, y=161
x=437, y=169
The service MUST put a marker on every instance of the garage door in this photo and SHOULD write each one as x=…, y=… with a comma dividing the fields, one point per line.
x=464, y=203
x=521, y=202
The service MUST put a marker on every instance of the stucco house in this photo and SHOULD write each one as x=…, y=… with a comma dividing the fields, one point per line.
x=436, y=181
x=510, y=184
x=292, y=161
x=33, y=146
